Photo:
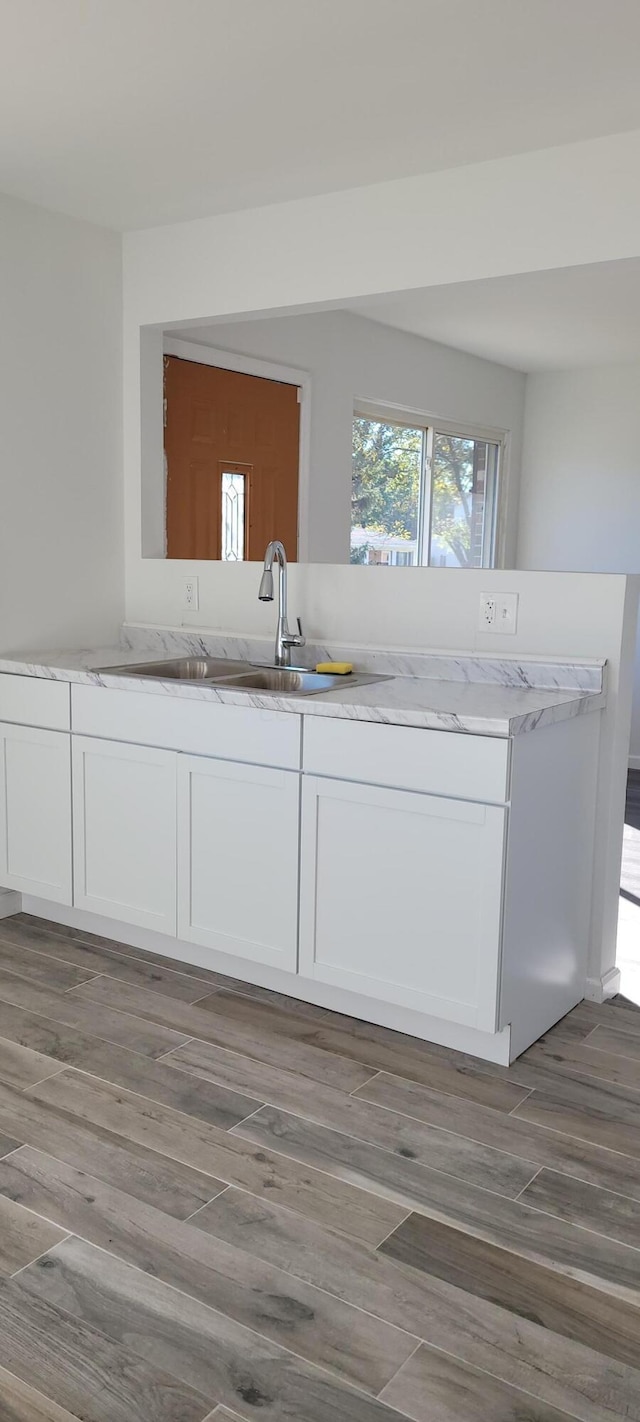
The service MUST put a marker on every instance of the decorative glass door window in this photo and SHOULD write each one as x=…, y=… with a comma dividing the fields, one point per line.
x=233, y=517
x=422, y=495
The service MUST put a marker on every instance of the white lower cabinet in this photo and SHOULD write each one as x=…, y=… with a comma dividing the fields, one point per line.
x=124, y=809
x=238, y=831
x=401, y=897
x=35, y=823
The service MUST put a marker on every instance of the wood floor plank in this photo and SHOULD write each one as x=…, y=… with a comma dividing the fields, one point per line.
x=325, y=1330
x=145, y=1037
x=82, y=1369
x=23, y=1236
x=557, y=1301
x=597, y=1111
x=176, y=1188
x=210, y=978
x=528, y=1233
x=433, y=1387
x=441, y=1150
x=265, y=1045
x=555, y=1369
x=195, y=1342
x=582, y=1059
x=226, y=1157
x=593, y=1163
x=392, y=1052
x=612, y=1215
x=610, y=1014
x=20, y=1403
x=63, y=1046
x=38, y=942
x=616, y=1041
x=33, y=967
x=20, y=1066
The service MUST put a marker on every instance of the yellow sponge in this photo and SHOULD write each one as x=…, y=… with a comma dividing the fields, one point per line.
x=336, y=668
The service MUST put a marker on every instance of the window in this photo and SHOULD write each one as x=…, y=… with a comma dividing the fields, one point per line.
x=233, y=497
x=422, y=494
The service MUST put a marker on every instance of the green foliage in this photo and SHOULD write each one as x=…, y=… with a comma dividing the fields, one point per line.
x=387, y=460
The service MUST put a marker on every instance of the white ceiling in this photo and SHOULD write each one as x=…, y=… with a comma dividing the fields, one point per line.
x=138, y=112
x=576, y=316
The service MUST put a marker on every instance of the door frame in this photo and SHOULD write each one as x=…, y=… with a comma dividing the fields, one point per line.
x=266, y=370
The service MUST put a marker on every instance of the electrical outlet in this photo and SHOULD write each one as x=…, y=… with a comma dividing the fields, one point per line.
x=190, y=595
x=498, y=613
x=487, y=617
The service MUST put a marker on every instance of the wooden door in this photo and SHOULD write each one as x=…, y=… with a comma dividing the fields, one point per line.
x=238, y=831
x=35, y=822
x=124, y=816
x=219, y=422
x=400, y=898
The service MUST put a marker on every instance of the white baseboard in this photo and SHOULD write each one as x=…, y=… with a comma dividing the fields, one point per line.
x=10, y=902
x=634, y=762
x=599, y=989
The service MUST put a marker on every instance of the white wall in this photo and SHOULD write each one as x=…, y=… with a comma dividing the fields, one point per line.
x=580, y=492
x=348, y=357
x=61, y=573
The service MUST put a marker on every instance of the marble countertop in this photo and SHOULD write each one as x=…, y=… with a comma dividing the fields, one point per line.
x=450, y=692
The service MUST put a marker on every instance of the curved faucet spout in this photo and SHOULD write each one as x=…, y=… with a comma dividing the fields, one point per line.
x=285, y=639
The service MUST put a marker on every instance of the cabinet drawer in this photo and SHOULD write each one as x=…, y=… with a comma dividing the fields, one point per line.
x=34, y=701
x=199, y=727
x=407, y=758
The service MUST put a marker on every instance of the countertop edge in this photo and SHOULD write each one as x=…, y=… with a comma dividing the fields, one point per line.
x=561, y=706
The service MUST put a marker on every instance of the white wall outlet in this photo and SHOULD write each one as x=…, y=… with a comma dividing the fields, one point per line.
x=487, y=617
x=498, y=613
x=506, y=613
x=190, y=595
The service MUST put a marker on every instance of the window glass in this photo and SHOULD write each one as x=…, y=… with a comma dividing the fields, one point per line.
x=385, y=502
x=422, y=496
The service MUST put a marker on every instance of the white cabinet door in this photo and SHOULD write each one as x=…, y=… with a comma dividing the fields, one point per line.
x=238, y=859
x=401, y=898
x=124, y=815
x=35, y=812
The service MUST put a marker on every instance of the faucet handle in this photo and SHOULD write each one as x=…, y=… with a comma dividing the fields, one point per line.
x=295, y=639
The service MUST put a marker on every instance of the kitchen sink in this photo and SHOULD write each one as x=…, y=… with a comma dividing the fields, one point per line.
x=285, y=679
x=243, y=676
x=182, y=669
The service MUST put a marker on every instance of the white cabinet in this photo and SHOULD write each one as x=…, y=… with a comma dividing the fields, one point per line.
x=124, y=809
x=35, y=823
x=401, y=898
x=238, y=859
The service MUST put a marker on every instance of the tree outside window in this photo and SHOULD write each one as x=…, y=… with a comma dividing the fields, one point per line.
x=394, y=483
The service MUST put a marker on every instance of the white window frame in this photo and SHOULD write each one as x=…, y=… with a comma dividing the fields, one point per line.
x=465, y=429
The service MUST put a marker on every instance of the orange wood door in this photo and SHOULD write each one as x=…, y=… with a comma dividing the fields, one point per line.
x=219, y=421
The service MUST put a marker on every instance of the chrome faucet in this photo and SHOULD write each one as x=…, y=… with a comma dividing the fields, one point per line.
x=285, y=639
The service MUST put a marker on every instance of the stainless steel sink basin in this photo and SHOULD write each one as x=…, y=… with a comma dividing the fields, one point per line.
x=182, y=669
x=243, y=676
x=284, y=679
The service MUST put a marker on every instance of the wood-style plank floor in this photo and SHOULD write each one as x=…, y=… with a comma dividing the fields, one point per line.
x=219, y=1203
